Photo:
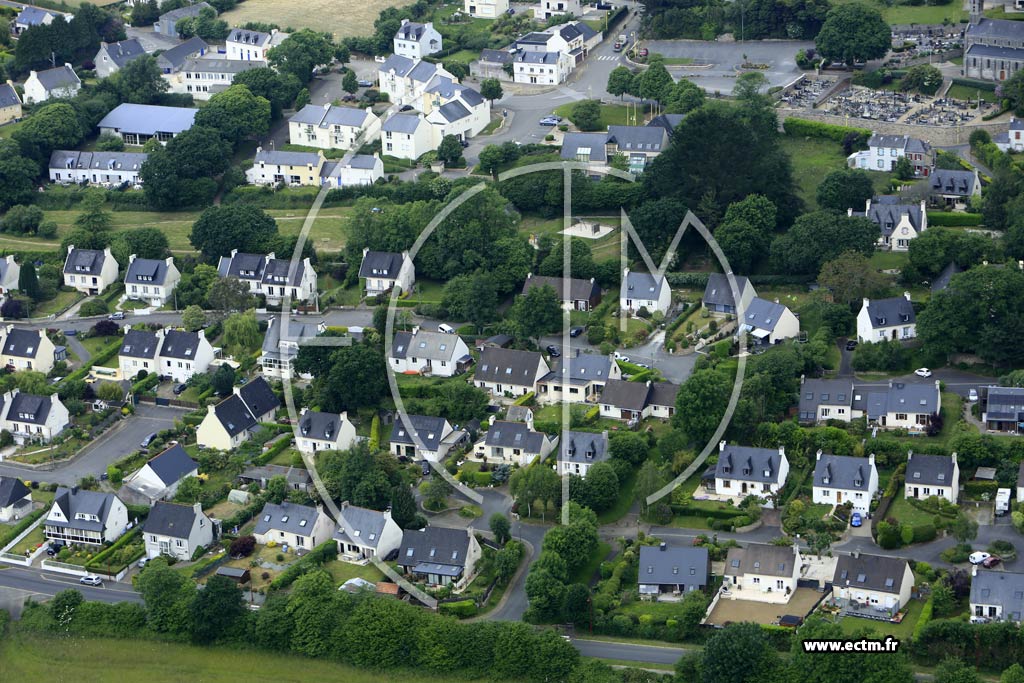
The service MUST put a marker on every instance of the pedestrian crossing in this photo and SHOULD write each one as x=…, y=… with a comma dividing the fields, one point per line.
x=607, y=58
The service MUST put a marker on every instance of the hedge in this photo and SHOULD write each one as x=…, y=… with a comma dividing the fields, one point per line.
x=146, y=383
x=827, y=131
x=948, y=219
x=524, y=399
x=922, y=621
x=687, y=279
x=205, y=566
x=272, y=452
x=98, y=359
x=318, y=556
x=976, y=489
x=461, y=609
x=922, y=533
x=25, y=523
x=977, y=85
x=712, y=513
x=98, y=560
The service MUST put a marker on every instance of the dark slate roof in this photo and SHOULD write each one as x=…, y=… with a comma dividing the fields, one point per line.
x=30, y=408
x=581, y=368
x=298, y=331
x=663, y=394
x=572, y=143
x=233, y=415
x=760, y=558
x=410, y=30
x=585, y=30
x=430, y=431
x=187, y=11
x=287, y=517
x=579, y=289
x=569, y=32
x=537, y=57
x=179, y=54
x=320, y=426
x=584, y=447
x=363, y=161
x=423, y=344
x=149, y=119
x=168, y=519
x=669, y=122
x=12, y=490
x=762, y=314
x=888, y=312
x=535, y=38
x=1005, y=589
x=123, y=52
x=397, y=63
x=360, y=526
x=912, y=397
x=85, y=261
x=259, y=397
x=278, y=271
x=936, y=470
x=32, y=16
x=986, y=28
x=887, y=210
x=82, y=501
x=687, y=565
x=637, y=138
x=508, y=366
x=293, y=475
x=829, y=392
x=114, y=161
x=140, y=344
x=453, y=111
x=625, y=395
x=8, y=96
x=330, y=115
x=960, y=183
x=180, y=344
x=22, y=343
x=942, y=280
x=423, y=71
x=746, y=463
x=434, y=545
x=243, y=266
x=842, y=472
x=903, y=142
x=247, y=37
x=470, y=96
x=995, y=51
x=719, y=293
x=381, y=264
x=514, y=435
x=146, y=271
x=402, y=123
x=285, y=158
x=496, y=56
x=638, y=285
x=172, y=465
x=870, y=572
x=1005, y=403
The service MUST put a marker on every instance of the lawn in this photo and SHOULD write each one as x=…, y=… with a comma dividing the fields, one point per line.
x=623, y=504
x=964, y=92
x=921, y=14
x=58, y=303
x=343, y=571
x=907, y=513
x=340, y=18
x=30, y=542
x=585, y=573
x=889, y=260
x=902, y=630
x=611, y=114
x=813, y=159
x=659, y=610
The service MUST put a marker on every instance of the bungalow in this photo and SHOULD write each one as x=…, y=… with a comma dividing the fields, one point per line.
x=324, y=432
x=897, y=221
x=167, y=23
x=885, y=150
x=59, y=82
x=295, y=169
x=176, y=531
x=297, y=478
x=514, y=443
x=232, y=421
x=578, y=451
x=385, y=270
x=10, y=103
x=439, y=556
x=112, y=57
x=576, y=294
x=360, y=170
x=422, y=437
x=22, y=349
x=485, y=9
x=104, y=168
x=871, y=586
x=932, y=475
x=1002, y=409
x=718, y=295
x=952, y=188
x=900, y=405
x=151, y=280
x=825, y=399
x=280, y=350
x=577, y=378
x=15, y=499
x=173, y=60
x=298, y=527
x=204, y=78
x=363, y=534
x=744, y=471
x=33, y=419
x=330, y=126
x=415, y=41
x=624, y=400
x=672, y=571
x=586, y=148
x=10, y=274
x=996, y=596
x=840, y=479
x=86, y=517
x=429, y=353
x=137, y=123
x=881, y=319
x=509, y=371
x=769, y=322
x=252, y=46
x=407, y=136
x=763, y=573
x=643, y=290
x=159, y=478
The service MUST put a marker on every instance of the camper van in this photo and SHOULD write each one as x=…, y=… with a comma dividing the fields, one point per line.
x=1002, y=501
x=446, y=328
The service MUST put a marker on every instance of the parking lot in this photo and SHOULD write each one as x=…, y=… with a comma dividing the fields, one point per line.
x=722, y=60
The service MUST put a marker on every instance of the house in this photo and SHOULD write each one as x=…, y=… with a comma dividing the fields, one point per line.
x=578, y=451
x=422, y=437
x=429, y=353
x=184, y=354
x=416, y=41
x=10, y=103
x=252, y=46
x=871, y=586
x=406, y=136
x=233, y=420
x=514, y=443
x=1020, y=483
x=85, y=517
x=492, y=63
x=954, y=188
x=295, y=169
x=297, y=478
x=881, y=319
x=139, y=352
x=576, y=294
x=577, y=378
x=643, y=290
x=110, y=169
x=1002, y=409
x=932, y=475
x=173, y=60
x=386, y=270
x=271, y=277
x=825, y=399
x=363, y=534
x=137, y=123
x=151, y=280
x=167, y=23
x=634, y=401
x=672, y=571
x=509, y=371
x=159, y=478
x=280, y=350
x=22, y=349
x=996, y=596
x=769, y=322
x=841, y=479
x=898, y=221
x=550, y=8
x=58, y=82
x=744, y=470
x=540, y=67
x=112, y=57
x=324, y=432
x=454, y=109
x=10, y=274
x=586, y=148
x=638, y=144
x=15, y=499
x=204, y=78
x=439, y=556
x=1013, y=139
x=993, y=48
x=899, y=405
x=359, y=170
x=485, y=9
x=885, y=150
x=177, y=531
x=297, y=527
x=405, y=80
x=332, y=127
x=718, y=294
x=30, y=16
x=762, y=573
x=33, y=419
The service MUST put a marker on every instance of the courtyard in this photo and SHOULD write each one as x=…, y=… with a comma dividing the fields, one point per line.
x=728, y=611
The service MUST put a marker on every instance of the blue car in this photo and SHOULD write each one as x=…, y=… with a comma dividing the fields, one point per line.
x=855, y=519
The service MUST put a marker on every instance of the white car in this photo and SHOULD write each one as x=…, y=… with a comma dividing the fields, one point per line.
x=619, y=356
x=91, y=581
x=972, y=395
x=978, y=557
x=923, y=372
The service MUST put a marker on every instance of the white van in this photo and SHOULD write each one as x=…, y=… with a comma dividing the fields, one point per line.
x=446, y=328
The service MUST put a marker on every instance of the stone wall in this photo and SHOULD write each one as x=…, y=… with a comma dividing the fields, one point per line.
x=939, y=136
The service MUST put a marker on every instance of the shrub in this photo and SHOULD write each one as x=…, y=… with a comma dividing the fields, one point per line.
x=924, y=533
x=325, y=552
x=815, y=129
x=242, y=546
x=461, y=609
x=92, y=307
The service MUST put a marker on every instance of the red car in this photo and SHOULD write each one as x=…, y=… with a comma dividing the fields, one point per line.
x=991, y=562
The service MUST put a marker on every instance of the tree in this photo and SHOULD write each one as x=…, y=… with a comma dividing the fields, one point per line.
x=301, y=52
x=22, y=220
x=648, y=481
x=853, y=33
x=277, y=489
x=357, y=378
x=749, y=85
x=586, y=114
x=148, y=243
x=145, y=13
x=359, y=476
x=64, y=606
x=236, y=113
x=167, y=594
x=28, y=282
x=236, y=226
x=229, y=294
x=52, y=126
x=242, y=333
x=629, y=447
x=655, y=82
x=821, y=236
x=458, y=69
x=1013, y=90
x=953, y=670
x=108, y=142
x=851, y=277
x=506, y=560
x=903, y=169
x=215, y=609
x=1014, y=674
x=223, y=380
x=847, y=188
x=349, y=82
x=189, y=490
x=280, y=89
x=436, y=492
x=532, y=484
x=93, y=218
x=620, y=81
x=501, y=528
x=473, y=298
x=200, y=151
x=193, y=318
x=601, y=486
x=538, y=312
x=313, y=622
x=963, y=528
x=450, y=150
x=138, y=82
x=490, y=89
x=700, y=404
x=683, y=97
x=810, y=668
x=403, y=506
x=739, y=653
x=545, y=594
x=17, y=175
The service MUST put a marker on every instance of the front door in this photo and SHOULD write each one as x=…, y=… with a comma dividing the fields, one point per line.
x=839, y=497
x=915, y=492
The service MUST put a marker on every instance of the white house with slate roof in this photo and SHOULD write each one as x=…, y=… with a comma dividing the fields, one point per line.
x=30, y=16
x=743, y=471
x=822, y=400
x=10, y=103
x=952, y=188
x=996, y=596
x=295, y=169
x=22, y=349
x=405, y=80
x=33, y=419
x=871, y=586
x=184, y=354
x=103, y=168
x=280, y=350
x=59, y=82
x=718, y=295
x=300, y=527
x=485, y=9
x=416, y=41
x=112, y=57
x=270, y=276
x=898, y=222
x=204, y=78
x=639, y=144
x=582, y=295
x=932, y=475
x=550, y=8
x=151, y=280
x=137, y=123
x=363, y=534
x=881, y=319
x=1002, y=408
x=454, y=109
x=172, y=60
x=324, y=431
x=840, y=479
x=885, y=150
x=435, y=434
x=429, y=353
x=899, y=405
x=330, y=126
x=139, y=351
x=993, y=48
x=15, y=499
x=514, y=443
x=672, y=571
x=762, y=573
x=439, y=556
x=86, y=517
x=407, y=136
x=643, y=290
x=1013, y=139
x=176, y=531
x=578, y=451
x=10, y=274
x=359, y=170
x=769, y=322
x=252, y=46
x=634, y=401
x=385, y=270
x=577, y=378
x=232, y=421
x=159, y=478
x=509, y=371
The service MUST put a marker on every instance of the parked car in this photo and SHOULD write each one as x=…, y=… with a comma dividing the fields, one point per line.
x=644, y=52
x=363, y=83
x=851, y=345
x=550, y=120
x=619, y=356
x=148, y=440
x=978, y=557
x=142, y=562
x=618, y=46
x=179, y=389
x=923, y=372
x=553, y=351
x=54, y=548
x=117, y=315
x=972, y=395
x=71, y=333
x=91, y=580
x=855, y=519
x=575, y=331
x=992, y=561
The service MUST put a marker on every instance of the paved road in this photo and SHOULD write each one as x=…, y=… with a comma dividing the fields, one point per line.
x=724, y=59
x=629, y=652
x=18, y=583
x=76, y=347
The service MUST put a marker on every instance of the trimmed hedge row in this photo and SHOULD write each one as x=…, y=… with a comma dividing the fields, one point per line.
x=272, y=452
x=979, y=488
x=146, y=383
x=977, y=85
x=318, y=556
x=25, y=523
x=827, y=131
x=98, y=560
x=948, y=219
x=98, y=359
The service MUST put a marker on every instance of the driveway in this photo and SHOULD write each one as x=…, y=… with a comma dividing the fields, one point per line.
x=723, y=59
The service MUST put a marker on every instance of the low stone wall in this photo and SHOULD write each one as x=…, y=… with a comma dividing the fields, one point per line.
x=940, y=136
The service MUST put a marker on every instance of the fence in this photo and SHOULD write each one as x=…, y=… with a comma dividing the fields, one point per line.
x=11, y=558
x=172, y=402
x=936, y=135
x=79, y=570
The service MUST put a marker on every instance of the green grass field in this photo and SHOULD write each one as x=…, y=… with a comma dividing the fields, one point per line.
x=813, y=159
x=963, y=92
x=889, y=260
x=920, y=14
x=611, y=114
x=902, y=630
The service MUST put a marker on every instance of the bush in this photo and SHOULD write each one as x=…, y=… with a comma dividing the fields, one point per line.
x=953, y=220
x=94, y=306
x=242, y=546
x=924, y=533
x=815, y=129
x=323, y=553
x=461, y=609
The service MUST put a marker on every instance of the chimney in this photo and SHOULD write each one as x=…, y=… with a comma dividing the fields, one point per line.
x=490, y=420
x=210, y=409
x=867, y=302
x=871, y=458
x=721, y=445
x=404, y=22
x=953, y=457
x=803, y=378
x=131, y=259
x=849, y=213
x=974, y=570
x=867, y=206
x=197, y=508
x=776, y=300
x=74, y=489
x=906, y=295
x=910, y=454
x=304, y=410
x=415, y=329
x=169, y=261
x=201, y=334
x=782, y=450
x=625, y=273
x=366, y=250
x=344, y=505
x=233, y=253
x=258, y=149
x=817, y=456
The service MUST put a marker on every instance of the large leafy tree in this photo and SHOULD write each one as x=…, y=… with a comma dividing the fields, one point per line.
x=167, y=594
x=200, y=151
x=851, y=277
x=847, y=188
x=739, y=653
x=853, y=32
x=357, y=378
x=862, y=667
x=301, y=52
x=52, y=126
x=280, y=89
x=819, y=237
x=223, y=228
x=215, y=610
x=363, y=478
x=538, y=312
x=236, y=113
x=701, y=402
x=17, y=175
x=620, y=81
x=473, y=298
x=139, y=82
